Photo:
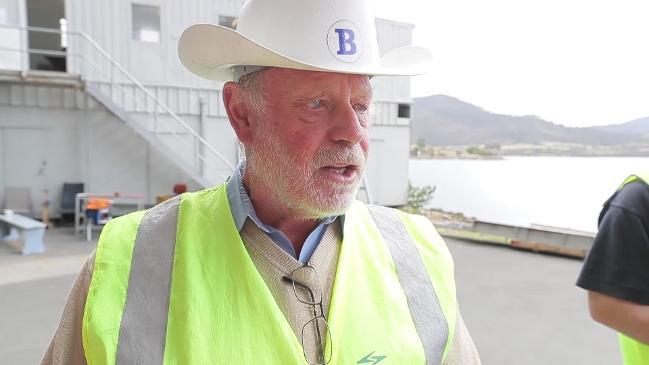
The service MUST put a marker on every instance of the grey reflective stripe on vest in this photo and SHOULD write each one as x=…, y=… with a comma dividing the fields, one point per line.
x=424, y=306
x=143, y=330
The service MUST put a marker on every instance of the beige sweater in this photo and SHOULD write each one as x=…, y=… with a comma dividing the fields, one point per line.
x=273, y=263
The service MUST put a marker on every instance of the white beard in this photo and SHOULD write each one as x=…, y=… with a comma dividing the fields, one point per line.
x=296, y=186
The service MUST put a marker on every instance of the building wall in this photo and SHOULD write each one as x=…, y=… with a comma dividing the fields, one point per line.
x=387, y=165
x=55, y=134
x=109, y=23
x=392, y=35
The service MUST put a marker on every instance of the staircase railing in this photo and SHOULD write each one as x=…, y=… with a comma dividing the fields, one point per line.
x=132, y=101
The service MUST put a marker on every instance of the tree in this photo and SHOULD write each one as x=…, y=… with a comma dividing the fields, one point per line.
x=418, y=197
x=421, y=142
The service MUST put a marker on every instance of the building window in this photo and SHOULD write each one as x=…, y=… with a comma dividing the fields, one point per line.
x=404, y=111
x=146, y=23
x=228, y=21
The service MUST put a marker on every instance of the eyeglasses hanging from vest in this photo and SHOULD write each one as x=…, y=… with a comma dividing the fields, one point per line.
x=307, y=289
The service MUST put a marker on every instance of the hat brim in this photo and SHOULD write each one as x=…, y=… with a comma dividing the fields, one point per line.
x=210, y=50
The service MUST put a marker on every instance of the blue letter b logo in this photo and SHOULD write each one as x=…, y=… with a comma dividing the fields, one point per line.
x=346, y=45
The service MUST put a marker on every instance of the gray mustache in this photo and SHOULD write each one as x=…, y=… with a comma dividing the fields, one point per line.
x=349, y=156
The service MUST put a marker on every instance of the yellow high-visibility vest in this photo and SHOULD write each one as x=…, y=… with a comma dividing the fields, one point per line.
x=175, y=285
x=634, y=352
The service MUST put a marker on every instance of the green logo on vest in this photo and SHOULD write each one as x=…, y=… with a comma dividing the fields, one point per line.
x=369, y=359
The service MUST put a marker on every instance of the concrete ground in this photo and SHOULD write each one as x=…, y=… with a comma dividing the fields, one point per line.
x=32, y=293
x=521, y=308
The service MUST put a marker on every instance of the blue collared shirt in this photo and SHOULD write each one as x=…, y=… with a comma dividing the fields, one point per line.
x=241, y=208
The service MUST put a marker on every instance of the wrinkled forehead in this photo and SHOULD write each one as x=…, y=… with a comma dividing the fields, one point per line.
x=306, y=82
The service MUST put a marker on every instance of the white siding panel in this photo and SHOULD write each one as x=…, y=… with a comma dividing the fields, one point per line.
x=392, y=35
x=193, y=102
x=16, y=94
x=2, y=152
x=214, y=101
x=221, y=108
x=68, y=98
x=220, y=135
x=163, y=174
x=56, y=96
x=30, y=95
x=173, y=99
x=161, y=94
x=384, y=113
x=41, y=96
x=183, y=101
x=5, y=94
x=387, y=168
x=81, y=99
x=46, y=97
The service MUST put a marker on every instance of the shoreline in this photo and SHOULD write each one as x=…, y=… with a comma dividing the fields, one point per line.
x=556, y=241
x=502, y=157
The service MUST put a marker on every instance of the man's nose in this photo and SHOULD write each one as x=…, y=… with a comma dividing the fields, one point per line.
x=347, y=126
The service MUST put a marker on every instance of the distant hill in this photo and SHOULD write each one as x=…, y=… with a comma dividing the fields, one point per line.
x=637, y=127
x=443, y=120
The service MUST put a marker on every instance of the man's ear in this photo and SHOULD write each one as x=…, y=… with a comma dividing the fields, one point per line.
x=238, y=111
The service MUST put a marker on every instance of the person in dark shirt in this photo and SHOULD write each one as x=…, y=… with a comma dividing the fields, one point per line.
x=616, y=271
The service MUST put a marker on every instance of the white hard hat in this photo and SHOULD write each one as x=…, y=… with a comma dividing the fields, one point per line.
x=318, y=35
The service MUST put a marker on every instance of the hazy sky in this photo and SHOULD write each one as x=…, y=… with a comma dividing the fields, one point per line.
x=573, y=62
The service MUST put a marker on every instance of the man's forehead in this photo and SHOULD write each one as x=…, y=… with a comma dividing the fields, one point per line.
x=301, y=80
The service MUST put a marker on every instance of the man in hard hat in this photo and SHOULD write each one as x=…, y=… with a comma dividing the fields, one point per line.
x=616, y=271
x=280, y=265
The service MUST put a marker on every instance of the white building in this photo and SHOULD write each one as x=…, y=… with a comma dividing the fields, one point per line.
x=107, y=102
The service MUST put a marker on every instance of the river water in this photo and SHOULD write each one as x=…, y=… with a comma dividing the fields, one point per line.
x=566, y=192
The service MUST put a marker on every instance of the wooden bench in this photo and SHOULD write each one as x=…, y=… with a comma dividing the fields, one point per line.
x=30, y=231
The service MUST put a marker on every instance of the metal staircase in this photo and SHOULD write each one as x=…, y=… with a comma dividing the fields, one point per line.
x=128, y=99
x=132, y=102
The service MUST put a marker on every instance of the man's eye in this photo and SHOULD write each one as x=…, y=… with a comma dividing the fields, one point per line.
x=315, y=104
x=361, y=108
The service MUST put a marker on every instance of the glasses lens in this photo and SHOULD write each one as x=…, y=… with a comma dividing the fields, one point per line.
x=306, y=285
x=314, y=335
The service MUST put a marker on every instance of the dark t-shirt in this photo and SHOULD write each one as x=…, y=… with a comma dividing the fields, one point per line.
x=618, y=263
